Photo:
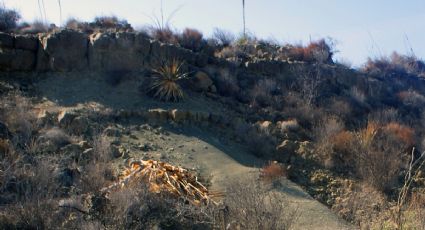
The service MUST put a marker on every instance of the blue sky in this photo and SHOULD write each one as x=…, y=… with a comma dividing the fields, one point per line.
x=361, y=28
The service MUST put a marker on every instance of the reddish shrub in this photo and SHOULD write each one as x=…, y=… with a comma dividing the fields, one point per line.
x=272, y=171
x=403, y=133
x=165, y=35
x=191, y=39
x=342, y=141
x=317, y=51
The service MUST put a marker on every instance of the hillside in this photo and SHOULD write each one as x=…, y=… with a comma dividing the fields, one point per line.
x=282, y=133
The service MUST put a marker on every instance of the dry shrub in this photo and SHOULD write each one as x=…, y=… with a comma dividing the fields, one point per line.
x=224, y=38
x=35, y=27
x=362, y=206
x=135, y=207
x=191, y=39
x=378, y=157
x=97, y=173
x=8, y=19
x=252, y=205
x=27, y=190
x=15, y=111
x=111, y=23
x=396, y=64
x=412, y=98
x=357, y=95
x=75, y=24
x=226, y=83
x=54, y=138
x=339, y=107
x=263, y=91
x=384, y=116
x=165, y=35
x=342, y=141
x=401, y=132
x=324, y=134
x=317, y=51
x=417, y=209
x=272, y=171
x=260, y=142
x=288, y=125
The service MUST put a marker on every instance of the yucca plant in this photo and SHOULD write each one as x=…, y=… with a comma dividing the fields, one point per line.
x=165, y=84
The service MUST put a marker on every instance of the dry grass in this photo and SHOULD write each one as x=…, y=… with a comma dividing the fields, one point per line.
x=15, y=111
x=97, y=168
x=254, y=206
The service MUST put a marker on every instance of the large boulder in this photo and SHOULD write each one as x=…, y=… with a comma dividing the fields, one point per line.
x=66, y=50
x=26, y=42
x=201, y=82
x=119, y=51
x=17, y=59
x=6, y=40
x=178, y=116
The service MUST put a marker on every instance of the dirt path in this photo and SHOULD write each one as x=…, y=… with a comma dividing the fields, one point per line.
x=228, y=161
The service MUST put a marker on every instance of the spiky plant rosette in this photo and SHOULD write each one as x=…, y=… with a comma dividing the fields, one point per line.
x=165, y=85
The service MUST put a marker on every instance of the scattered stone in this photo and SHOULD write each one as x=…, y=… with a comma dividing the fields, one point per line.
x=132, y=136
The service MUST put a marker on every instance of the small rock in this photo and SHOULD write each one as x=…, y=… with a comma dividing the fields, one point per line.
x=201, y=82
